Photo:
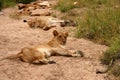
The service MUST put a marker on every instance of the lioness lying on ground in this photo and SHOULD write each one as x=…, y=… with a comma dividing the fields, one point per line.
x=37, y=23
x=41, y=53
x=47, y=23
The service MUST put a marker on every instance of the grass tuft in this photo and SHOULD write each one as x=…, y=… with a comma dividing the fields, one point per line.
x=113, y=53
x=116, y=70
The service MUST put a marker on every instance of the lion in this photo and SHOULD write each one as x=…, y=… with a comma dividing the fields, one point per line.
x=41, y=53
x=38, y=23
x=25, y=9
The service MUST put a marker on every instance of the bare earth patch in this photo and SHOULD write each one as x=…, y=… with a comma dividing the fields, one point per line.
x=14, y=35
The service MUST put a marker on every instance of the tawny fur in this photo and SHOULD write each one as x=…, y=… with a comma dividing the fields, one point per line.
x=25, y=9
x=41, y=53
x=38, y=23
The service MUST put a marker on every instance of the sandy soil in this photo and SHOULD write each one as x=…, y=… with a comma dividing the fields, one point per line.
x=14, y=35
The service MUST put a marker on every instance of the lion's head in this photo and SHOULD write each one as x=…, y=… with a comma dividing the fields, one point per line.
x=60, y=37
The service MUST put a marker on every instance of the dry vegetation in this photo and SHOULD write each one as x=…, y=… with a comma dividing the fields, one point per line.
x=99, y=22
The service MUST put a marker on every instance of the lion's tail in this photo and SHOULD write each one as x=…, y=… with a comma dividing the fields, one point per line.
x=15, y=56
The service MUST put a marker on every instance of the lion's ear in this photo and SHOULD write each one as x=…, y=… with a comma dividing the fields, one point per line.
x=66, y=34
x=55, y=33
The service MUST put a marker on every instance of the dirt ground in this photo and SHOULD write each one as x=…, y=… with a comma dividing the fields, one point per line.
x=14, y=35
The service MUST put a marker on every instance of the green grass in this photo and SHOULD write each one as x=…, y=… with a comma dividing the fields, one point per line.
x=98, y=3
x=66, y=5
x=99, y=22
x=113, y=53
x=103, y=26
x=99, y=25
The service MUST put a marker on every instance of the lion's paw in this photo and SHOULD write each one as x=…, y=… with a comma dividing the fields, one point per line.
x=80, y=53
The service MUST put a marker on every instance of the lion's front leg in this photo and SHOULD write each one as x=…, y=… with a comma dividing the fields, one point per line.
x=65, y=52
